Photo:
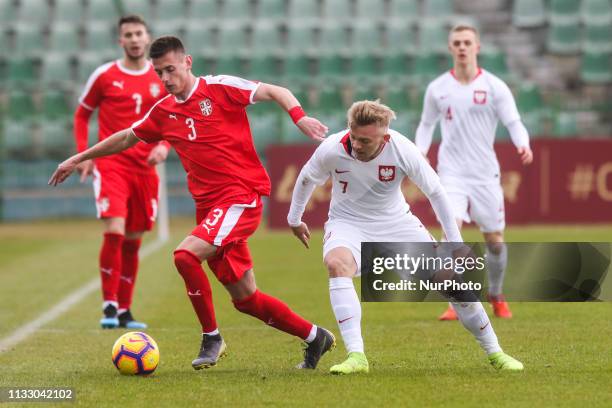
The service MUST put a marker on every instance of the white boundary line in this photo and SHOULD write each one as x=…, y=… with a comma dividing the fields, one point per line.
x=25, y=331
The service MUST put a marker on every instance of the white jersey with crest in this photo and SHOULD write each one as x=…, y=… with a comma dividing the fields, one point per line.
x=468, y=114
x=369, y=191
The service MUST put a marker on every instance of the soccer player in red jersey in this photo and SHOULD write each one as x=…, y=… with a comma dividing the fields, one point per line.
x=205, y=120
x=125, y=185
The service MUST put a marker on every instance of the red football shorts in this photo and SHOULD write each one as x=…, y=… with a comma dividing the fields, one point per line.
x=130, y=196
x=228, y=226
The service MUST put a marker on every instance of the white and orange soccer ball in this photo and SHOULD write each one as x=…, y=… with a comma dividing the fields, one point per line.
x=135, y=353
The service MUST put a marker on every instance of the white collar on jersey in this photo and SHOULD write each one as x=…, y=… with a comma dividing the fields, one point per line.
x=195, y=86
x=128, y=71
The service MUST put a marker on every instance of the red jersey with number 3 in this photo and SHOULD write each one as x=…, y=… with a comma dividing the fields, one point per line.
x=122, y=96
x=210, y=132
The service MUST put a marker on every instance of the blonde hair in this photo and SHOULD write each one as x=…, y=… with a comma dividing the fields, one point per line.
x=464, y=27
x=363, y=113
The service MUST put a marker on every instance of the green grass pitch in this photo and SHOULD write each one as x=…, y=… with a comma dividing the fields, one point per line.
x=415, y=360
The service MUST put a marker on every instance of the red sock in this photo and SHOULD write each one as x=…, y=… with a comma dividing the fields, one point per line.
x=110, y=265
x=129, y=269
x=274, y=313
x=198, y=288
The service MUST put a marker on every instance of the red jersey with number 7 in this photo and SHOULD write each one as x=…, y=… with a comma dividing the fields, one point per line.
x=122, y=96
x=210, y=132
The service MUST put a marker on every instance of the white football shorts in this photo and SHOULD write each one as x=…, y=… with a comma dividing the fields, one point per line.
x=350, y=235
x=481, y=203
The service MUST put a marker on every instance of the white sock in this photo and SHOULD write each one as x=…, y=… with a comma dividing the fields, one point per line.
x=496, y=267
x=474, y=318
x=347, y=309
x=213, y=333
x=312, y=334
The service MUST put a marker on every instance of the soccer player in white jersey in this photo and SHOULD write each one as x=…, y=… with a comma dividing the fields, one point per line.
x=367, y=163
x=469, y=102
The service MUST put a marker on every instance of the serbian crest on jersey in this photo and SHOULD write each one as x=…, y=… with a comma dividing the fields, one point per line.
x=154, y=89
x=206, y=107
x=386, y=173
x=480, y=97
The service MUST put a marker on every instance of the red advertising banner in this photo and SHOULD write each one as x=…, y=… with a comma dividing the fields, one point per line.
x=569, y=181
x=574, y=181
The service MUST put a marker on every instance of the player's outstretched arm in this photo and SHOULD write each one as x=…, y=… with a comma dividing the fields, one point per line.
x=508, y=114
x=520, y=138
x=116, y=143
x=301, y=195
x=427, y=125
x=310, y=126
x=444, y=212
x=81, y=132
x=424, y=137
x=426, y=179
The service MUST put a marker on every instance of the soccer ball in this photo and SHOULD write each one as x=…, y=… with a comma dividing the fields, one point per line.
x=135, y=353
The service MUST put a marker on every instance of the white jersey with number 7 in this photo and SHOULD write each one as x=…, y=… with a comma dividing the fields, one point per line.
x=369, y=191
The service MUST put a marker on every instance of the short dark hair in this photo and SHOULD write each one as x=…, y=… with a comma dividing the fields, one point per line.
x=132, y=18
x=163, y=45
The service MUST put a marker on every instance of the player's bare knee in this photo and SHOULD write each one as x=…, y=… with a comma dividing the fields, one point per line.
x=495, y=242
x=200, y=248
x=244, y=288
x=243, y=297
x=339, y=267
x=114, y=225
x=495, y=247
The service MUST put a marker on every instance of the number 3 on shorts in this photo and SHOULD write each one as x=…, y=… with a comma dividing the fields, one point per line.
x=213, y=219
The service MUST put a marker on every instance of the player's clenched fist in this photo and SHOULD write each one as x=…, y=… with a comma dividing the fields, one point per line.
x=312, y=128
x=63, y=170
